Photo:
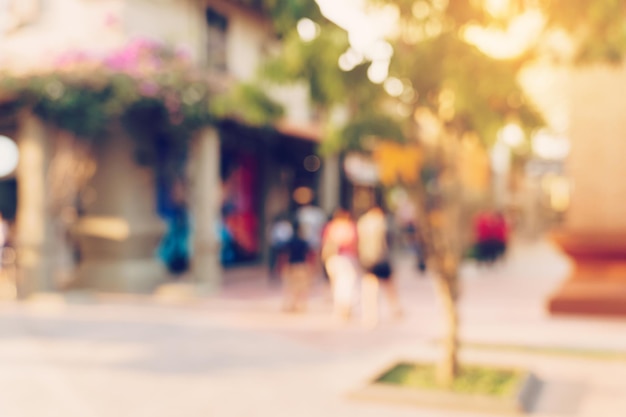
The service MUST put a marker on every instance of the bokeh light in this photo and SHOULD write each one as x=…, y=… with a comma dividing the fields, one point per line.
x=312, y=163
x=394, y=87
x=308, y=30
x=303, y=195
x=9, y=156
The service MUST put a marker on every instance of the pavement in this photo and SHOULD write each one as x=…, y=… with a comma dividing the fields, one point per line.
x=237, y=354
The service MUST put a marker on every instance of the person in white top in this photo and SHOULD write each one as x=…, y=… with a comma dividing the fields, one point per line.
x=312, y=220
x=375, y=258
x=339, y=254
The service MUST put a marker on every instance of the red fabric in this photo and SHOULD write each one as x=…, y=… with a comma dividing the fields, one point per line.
x=499, y=229
x=490, y=226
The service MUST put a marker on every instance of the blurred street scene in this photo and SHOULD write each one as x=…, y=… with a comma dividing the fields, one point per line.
x=255, y=207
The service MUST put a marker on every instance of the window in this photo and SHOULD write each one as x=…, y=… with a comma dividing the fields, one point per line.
x=217, y=27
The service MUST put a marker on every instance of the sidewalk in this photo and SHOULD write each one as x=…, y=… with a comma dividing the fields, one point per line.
x=235, y=354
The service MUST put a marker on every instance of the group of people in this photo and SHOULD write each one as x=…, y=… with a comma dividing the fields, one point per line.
x=350, y=253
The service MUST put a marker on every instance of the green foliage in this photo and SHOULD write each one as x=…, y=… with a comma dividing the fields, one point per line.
x=333, y=141
x=60, y=99
x=160, y=106
x=365, y=130
x=314, y=62
x=247, y=103
x=485, y=90
x=285, y=14
x=80, y=111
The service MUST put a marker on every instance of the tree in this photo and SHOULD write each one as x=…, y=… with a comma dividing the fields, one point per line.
x=470, y=92
x=438, y=90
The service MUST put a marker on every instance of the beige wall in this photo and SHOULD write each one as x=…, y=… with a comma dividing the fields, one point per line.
x=597, y=163
x=588, y=104
x=61, y=25
x=250, y=38
x=98, y=26
x=175, y=22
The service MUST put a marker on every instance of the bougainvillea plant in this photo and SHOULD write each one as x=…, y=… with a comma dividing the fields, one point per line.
x=153, y=90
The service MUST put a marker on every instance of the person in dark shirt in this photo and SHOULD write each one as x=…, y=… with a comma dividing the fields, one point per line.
x=297, y=275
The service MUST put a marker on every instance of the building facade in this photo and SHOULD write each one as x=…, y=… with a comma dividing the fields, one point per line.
x=239, y=177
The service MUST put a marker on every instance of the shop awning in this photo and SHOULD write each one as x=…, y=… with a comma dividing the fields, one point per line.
x=306, y=131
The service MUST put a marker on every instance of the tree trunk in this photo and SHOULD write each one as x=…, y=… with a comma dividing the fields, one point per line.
x=448, y=368
x=443, y=261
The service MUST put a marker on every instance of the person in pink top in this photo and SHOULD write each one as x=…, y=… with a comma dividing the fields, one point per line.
x=339, y=254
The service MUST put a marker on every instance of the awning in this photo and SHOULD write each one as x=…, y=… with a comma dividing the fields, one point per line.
x=306, y=131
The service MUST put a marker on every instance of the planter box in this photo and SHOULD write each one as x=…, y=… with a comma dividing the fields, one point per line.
x=520, y=402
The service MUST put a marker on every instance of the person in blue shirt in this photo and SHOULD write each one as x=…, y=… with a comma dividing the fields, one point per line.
x=298, y=259
x=175, y=248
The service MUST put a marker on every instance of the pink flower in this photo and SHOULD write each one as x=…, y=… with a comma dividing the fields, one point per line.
x=148, y=89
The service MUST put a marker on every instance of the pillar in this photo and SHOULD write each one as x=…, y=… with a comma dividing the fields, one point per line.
x=205, y=203
x=594, y=233
x=121, y=229
x=330, y=183
x=34, y=224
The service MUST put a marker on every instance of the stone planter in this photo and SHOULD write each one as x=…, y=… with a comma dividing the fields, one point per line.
x=520, y=402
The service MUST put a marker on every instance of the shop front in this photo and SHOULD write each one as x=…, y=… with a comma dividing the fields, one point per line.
x=264, y=174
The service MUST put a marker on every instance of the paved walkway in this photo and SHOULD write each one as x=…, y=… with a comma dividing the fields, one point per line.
x=236, y=355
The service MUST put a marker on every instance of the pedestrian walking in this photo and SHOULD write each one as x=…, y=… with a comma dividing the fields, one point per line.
x=175, y=248
x=339, y=254
x=280, y=233
x=375, y=257
x=312, y=220
x=297, y=271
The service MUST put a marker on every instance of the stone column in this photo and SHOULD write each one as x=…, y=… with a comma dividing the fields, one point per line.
x=205, y=185
x=121, y=230
x=34, y=226
x=331, y=183
x=594, y=233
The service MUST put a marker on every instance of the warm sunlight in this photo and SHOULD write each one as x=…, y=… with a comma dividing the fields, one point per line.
x=366, y=29
x=504, y=44
x=366, y=32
